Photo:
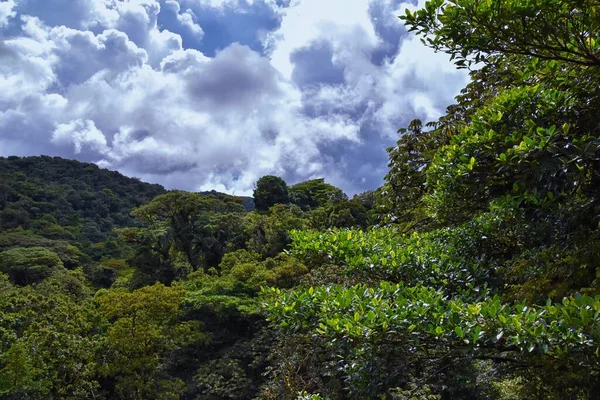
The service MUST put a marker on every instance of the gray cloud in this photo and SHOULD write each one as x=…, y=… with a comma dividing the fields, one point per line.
x=237, y=77
x=313, y=65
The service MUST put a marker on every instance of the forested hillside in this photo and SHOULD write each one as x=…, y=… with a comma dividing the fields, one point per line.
x=114, y=288
x=472, y=273
x=64, y=199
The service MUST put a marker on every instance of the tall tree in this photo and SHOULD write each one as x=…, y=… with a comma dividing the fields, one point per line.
x=315, y=193
x=270, y=190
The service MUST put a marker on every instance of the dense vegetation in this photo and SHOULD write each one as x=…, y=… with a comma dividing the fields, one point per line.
x=472, y=273
x=482, y=280
x=114, y=288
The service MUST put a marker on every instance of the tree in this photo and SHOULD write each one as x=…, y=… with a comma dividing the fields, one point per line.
x=29, y=265
x=184, y=232
x=270, y=190
x=561, y=30
x=347, y=214
x=143, y=327
x=315, y=193
x=495, y=263
x=48, y=340
x=269, y=233
x=400, y=200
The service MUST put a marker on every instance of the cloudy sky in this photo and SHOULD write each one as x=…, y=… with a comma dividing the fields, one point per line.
x=213, y=94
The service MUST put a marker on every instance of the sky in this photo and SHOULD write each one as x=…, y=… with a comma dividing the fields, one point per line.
x=213, y=94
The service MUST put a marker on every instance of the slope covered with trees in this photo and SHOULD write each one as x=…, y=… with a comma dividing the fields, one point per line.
x=114, y=288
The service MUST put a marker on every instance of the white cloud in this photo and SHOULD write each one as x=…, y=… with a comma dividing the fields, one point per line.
x=26, y=64
x=82, y=54
x=6, y=11
x=233, y=113
x=414, y=82
x=421, y=81
x=308, y=20
x=80, y=133
x=186, y=18
x=137, y=19
x=103, y=82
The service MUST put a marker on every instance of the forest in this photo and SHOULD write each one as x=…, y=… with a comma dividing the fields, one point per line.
x=473, y=272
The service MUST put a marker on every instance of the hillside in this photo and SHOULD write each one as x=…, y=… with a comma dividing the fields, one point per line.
x=66, y=199
x=84, y=245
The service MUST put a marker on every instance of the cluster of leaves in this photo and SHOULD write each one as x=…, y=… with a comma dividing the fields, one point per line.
x=475, y=31
x=449, y=257
x=411, y=316
x=59, y=342
x=447, y=306
x=325, y=205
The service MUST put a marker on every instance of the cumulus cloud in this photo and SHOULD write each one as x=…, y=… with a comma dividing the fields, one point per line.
x=6, y=11
x=361, y=63
x=186, y=18
x=122, y=84
x=80, y=133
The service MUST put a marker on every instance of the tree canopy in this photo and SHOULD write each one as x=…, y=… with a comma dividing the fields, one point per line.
x=270, y=190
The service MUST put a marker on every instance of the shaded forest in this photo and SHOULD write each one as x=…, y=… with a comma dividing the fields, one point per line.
x=472, y=273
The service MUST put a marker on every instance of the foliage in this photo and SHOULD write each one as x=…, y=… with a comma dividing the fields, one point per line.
x=81, y=314
x=315, y=193
x=144, y=327
x=445, y=258
x=269, y=233
x=489, y=217
x=270, y=190
x=29, y=265
x=184, y=232
x=47, y=343
x=399, y=201
x=63, y=199
x=418, y=315
x=307, y=396
x=472, y=273
x=546, y=29
x=358, y=323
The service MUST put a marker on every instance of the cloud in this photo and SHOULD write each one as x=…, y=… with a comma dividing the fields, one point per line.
x=312, y=89
x=178, y=124
x=229, y=21
x=309, y=20
x=6, y=11
x=362, y=64
x=80, y=133
x=186, y=18
x=237, y=77
x=88, y=54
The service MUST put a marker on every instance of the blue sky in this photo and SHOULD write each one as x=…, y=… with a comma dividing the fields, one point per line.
x=214, y=94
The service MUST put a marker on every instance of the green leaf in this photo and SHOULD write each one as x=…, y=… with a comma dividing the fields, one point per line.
x=459, y=332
